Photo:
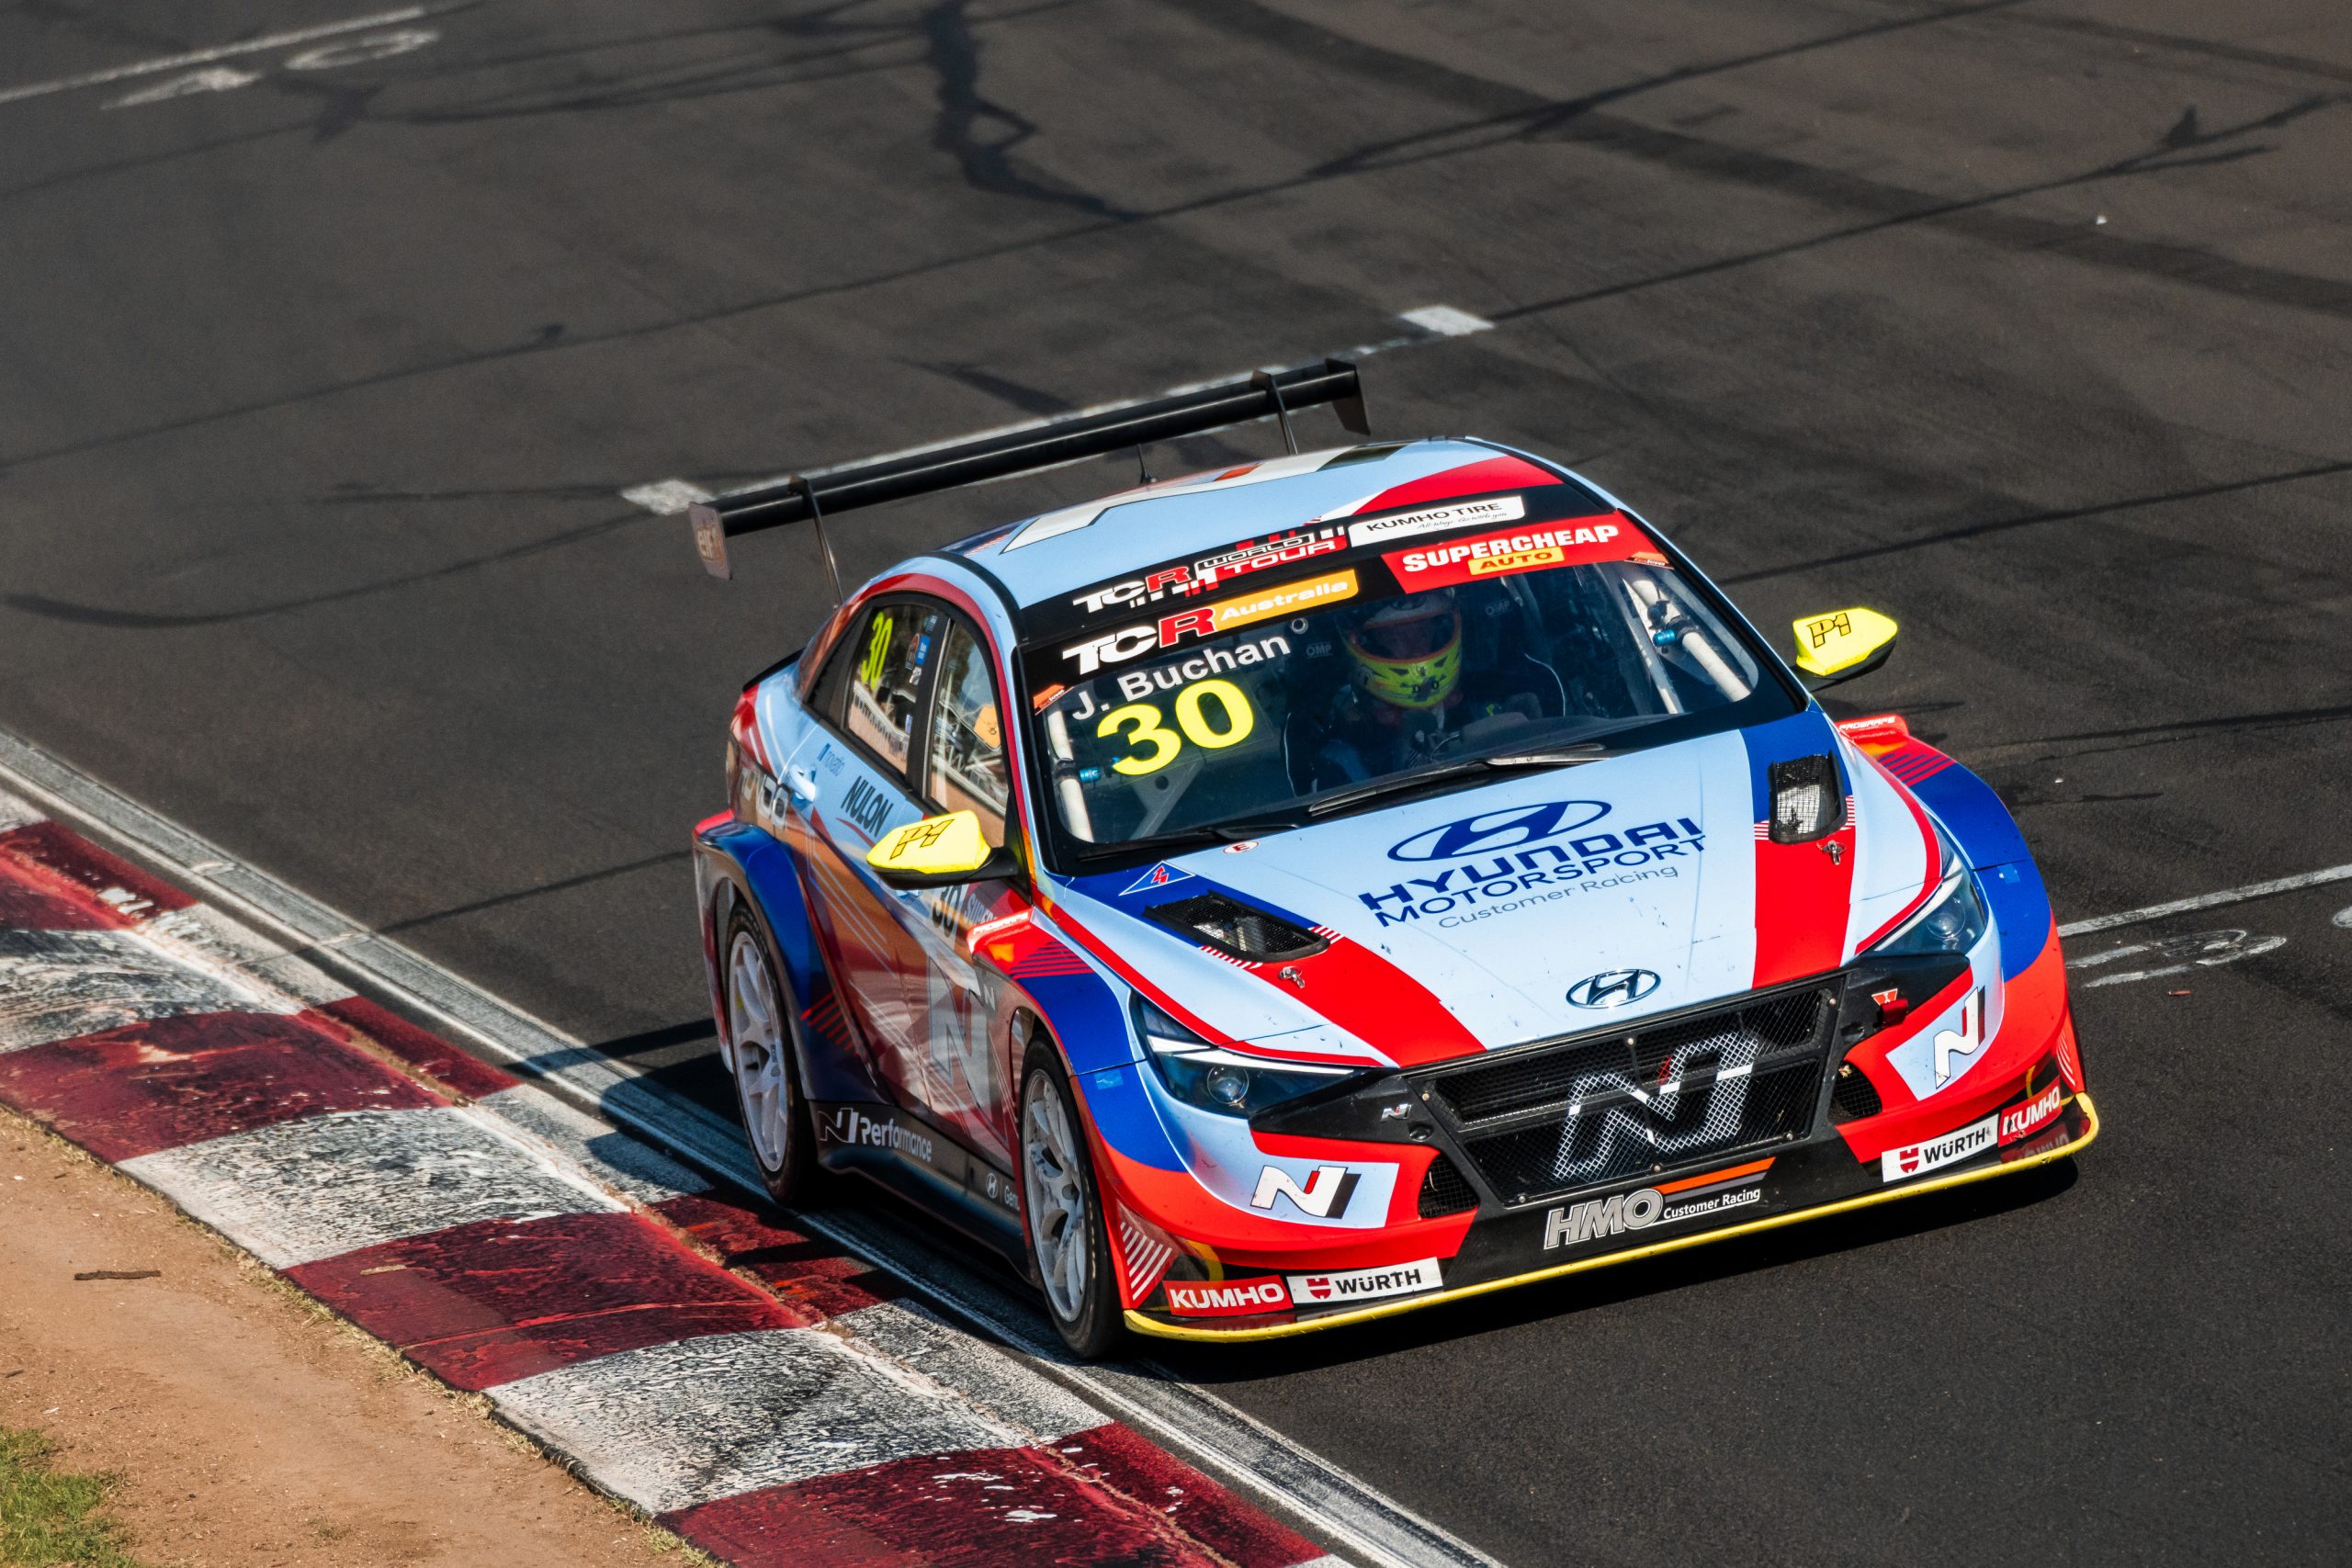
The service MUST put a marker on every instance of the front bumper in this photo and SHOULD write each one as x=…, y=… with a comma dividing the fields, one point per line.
x=1805, y=1183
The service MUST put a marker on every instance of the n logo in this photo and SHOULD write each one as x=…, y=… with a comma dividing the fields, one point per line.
x=1325, y=1194
x=1966, y=1042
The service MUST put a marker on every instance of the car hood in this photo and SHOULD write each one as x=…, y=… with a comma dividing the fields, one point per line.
x=1540, y=904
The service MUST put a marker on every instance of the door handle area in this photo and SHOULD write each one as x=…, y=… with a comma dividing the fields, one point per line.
x=802, y=783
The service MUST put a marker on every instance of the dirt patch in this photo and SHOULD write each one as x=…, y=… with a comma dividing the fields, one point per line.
x=249, y=1426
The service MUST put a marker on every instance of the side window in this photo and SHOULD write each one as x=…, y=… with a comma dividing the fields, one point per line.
x=968, y=767
x=887, y=656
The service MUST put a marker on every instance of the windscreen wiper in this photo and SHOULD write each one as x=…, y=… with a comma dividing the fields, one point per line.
x=1189, y=838
x=1400, y=783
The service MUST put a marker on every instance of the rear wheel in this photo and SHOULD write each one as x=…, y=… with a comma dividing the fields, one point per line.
x=1064, y=1210
x=767, y=1083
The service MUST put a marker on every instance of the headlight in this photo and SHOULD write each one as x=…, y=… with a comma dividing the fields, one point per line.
x=1953, y=919
x=1200, y=1074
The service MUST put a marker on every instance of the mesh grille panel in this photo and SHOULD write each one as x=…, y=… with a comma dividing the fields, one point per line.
x=1445, y=1191
x=1650, y=1100
x=1853, y=1097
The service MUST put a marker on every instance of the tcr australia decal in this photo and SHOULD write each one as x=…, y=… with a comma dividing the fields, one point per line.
x=1212, y=620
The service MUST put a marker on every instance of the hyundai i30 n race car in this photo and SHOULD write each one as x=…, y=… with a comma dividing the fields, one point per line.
x=1285, y=894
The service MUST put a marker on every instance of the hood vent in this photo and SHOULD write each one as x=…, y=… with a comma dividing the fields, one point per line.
x=1234, y=929
x=1807, y=803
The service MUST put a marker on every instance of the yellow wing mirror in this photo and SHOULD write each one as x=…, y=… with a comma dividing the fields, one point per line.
x=1842, y=644
x=938, y=852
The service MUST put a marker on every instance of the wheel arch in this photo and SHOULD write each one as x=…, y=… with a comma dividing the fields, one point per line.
x=741, y=865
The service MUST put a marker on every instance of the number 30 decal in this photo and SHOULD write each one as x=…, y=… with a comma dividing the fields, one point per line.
x=1143, y=724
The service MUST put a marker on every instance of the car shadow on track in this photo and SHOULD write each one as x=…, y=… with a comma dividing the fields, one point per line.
x=1565, y=1298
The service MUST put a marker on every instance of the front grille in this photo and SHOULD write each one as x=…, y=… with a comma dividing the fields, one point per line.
x=1445, y=1191
x=1853, y=1096
x=1548, y=1120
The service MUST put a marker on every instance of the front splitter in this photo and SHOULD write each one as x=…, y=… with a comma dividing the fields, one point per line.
x=2082, y=1112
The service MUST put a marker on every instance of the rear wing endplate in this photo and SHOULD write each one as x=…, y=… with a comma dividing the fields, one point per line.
x=809, y=498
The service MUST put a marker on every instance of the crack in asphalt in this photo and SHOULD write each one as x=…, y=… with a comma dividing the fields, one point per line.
x=966, y=119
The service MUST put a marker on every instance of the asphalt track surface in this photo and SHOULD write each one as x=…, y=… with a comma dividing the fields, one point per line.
x=2030, y=323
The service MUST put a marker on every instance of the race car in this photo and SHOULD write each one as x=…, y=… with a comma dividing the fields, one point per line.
x=1324, y=886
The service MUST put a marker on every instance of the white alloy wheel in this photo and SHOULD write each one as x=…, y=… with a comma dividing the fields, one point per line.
x=754, y=1024
x=1051, y=1176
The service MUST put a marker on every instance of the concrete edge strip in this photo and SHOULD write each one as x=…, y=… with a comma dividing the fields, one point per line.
x=886, y=1396
x=1230, y=1445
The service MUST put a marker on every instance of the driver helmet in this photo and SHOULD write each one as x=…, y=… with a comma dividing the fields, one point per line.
x=1408, y=653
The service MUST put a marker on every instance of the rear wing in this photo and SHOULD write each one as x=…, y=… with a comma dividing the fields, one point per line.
x=810, y=498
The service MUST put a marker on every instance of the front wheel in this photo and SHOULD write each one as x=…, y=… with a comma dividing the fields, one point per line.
x=1065, y=1212
x=767, y=1086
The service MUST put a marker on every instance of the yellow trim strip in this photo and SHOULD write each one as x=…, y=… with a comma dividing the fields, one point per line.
x=1143, y=1325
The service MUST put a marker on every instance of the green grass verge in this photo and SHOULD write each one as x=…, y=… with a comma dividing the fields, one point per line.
x=49, y=1518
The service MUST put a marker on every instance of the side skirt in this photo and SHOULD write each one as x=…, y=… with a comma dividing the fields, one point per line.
x=908, y=1154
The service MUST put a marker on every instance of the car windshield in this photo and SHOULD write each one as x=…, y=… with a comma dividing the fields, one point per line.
x=1199, y=694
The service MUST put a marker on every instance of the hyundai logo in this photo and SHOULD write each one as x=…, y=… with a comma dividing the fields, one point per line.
x=1612, y=988
x=1510, y=827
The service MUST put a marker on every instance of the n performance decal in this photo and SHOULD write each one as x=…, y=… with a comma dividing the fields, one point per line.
x=1325, y=1195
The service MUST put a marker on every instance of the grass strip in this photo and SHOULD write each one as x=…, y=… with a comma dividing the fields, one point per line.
x=52, y=1519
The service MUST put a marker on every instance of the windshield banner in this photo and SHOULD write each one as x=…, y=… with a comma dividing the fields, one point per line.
x=1580, y=541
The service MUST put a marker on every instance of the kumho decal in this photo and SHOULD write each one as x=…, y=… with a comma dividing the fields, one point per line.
x=1577, y=543
x=1438, y=519
x=1481, y=887
x=2022, y=1120
x=1230, y=1298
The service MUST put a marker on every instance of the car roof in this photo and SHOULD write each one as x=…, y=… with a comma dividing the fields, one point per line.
x=1058, y=552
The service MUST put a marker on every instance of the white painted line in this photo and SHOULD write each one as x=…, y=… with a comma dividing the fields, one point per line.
x=1234, y=1446
x=2207, y=901
x=211, y=79
x=1447, y=322
x=1431, y=323
x=298, y=1191
x=620, y=1162
x=15, y=814
x=206, y=56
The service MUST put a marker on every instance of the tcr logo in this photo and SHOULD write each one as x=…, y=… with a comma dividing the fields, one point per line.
x=1325, y=1195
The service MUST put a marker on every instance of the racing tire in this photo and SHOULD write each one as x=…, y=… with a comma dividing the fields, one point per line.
x=759, y=1013
x=1061, y=1209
